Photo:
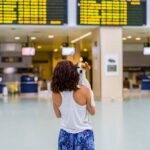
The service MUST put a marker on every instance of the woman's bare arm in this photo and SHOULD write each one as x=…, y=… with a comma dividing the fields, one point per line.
x=90, y=108
x=56, y=104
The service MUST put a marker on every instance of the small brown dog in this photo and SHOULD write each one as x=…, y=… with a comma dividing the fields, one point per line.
x=81, y=68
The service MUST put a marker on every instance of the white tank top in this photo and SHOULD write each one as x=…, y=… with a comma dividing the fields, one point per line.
x=74, y=117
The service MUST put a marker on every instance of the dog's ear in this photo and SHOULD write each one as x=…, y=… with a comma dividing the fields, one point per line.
x=83, y=66
x=87, y=65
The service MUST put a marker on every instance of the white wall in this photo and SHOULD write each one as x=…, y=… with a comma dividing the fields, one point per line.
x=133, y=47
x=135, y=58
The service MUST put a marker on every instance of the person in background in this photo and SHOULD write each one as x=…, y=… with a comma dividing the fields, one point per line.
x=71, y=103
x=126, y=83
x=44, y=85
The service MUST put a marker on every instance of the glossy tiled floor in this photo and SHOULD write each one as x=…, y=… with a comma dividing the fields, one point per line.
x=28, y=123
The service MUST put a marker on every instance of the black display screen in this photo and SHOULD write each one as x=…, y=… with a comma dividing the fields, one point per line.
x=111, y=12
x=11, y=59
x=38, y=12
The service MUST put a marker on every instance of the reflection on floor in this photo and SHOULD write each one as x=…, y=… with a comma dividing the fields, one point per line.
x=28, y=123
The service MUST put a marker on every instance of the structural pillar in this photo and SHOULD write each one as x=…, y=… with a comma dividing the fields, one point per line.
x=107, y=63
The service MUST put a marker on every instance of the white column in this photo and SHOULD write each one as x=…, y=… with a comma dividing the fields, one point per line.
x=96, y=57
x=107, y=56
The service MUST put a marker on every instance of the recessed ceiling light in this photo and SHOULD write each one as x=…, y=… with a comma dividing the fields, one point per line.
x=39, y=46
x=55, y=50
x=124, y=38
x=17, y=38
x=51, y=36
x=129, y=37
x=138, y=38
x=33, y=38
x=85, y=50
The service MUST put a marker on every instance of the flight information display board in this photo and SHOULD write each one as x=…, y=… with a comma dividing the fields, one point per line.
x=39, y=12
x=111, y=12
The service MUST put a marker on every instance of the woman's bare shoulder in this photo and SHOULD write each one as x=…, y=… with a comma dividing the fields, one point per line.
x=55, y=94
x=83, y=89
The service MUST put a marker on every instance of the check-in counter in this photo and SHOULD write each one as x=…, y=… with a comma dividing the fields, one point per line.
x=1, y=88
x=145, y=82
x=28, y=84
x=1, y=84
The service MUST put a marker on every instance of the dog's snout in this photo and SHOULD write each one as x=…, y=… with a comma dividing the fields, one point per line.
x=80, y=71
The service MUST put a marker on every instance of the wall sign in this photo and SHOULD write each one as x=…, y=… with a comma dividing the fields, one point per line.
x=112, y=65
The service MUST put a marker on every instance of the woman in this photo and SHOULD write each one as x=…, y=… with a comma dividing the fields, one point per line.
x=71, y=103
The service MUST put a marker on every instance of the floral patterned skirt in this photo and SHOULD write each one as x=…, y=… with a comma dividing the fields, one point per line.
x=78, y=141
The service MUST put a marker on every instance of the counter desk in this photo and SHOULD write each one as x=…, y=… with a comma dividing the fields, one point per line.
x=145, y=82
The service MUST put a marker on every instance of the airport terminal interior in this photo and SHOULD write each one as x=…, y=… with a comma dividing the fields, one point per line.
x=117, y=51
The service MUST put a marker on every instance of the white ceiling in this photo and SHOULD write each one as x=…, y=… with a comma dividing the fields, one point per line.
x=142, y=32
x=7, y=34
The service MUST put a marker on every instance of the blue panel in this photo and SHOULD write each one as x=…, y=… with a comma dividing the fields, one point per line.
x=29, y=88
x=27, y=79
x=145, y=82
x=1, y=88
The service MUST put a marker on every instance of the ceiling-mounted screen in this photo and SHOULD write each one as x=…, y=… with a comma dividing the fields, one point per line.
x=111, y=12
x=28, y=51
x=146, y=51
x=35, y=12
x=66, y=51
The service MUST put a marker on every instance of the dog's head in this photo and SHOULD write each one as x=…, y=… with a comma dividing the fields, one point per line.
x=82, y=67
